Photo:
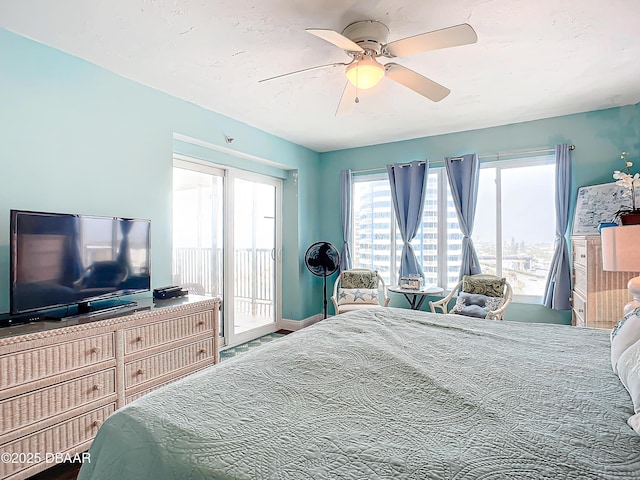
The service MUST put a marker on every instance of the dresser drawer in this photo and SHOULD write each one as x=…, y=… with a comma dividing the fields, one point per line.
x=40, y=362
x=578, y=319
x=154, y=366
x=579, y=311
x=134, y=395
x=30, y=408
x=59, y=438
x=580, y=279
x=168, y=331
x=579, y=253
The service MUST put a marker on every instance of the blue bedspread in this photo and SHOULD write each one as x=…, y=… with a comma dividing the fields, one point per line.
x=386, y=393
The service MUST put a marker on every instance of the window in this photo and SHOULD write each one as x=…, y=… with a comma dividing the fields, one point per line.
x=514, y=227
x=377, y=243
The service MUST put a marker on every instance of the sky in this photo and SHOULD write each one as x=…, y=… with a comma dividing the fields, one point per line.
x=528, y=205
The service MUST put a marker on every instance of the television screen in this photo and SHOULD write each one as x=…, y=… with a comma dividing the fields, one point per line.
x=62, y=259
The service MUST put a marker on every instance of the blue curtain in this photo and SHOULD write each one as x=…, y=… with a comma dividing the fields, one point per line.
x=463, y=174
x=557, y=291
x=345, y=218
x=408, y=189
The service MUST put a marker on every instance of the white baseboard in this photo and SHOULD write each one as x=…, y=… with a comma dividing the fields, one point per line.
x=293, y=325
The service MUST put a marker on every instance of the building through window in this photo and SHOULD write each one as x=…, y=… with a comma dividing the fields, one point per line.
x=377, y=243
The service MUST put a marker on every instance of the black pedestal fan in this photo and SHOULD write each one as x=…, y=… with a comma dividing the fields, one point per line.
x=322, y=259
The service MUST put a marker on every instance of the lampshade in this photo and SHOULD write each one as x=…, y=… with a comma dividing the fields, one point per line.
x=621, y=248
x=621, y=253
x=365, y=73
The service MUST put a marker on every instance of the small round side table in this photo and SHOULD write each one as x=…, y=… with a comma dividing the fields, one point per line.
x=416, y=297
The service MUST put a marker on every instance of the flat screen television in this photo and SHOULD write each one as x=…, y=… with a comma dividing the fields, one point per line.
x=59, y=260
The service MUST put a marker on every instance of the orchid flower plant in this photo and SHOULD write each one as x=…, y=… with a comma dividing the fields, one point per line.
x=629, y=181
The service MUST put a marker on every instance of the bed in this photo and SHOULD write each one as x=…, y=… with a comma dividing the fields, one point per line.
x=387, y=393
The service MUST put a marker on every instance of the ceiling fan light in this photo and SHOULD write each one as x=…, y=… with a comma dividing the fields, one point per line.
x=365, y=73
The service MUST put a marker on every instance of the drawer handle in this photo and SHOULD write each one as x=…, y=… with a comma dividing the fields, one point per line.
x=582, y=255
x=138, y=339
x=97, y=387
x=95, y=350
x=200, y=323
x=581, y=310
x=202, y=351
x=96, y=423
x=140, y=372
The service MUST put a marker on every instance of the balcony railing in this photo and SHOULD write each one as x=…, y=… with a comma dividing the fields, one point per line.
x=253, y=280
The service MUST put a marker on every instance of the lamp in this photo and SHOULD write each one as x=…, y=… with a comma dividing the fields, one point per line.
x=621, y=253
x=365, y=72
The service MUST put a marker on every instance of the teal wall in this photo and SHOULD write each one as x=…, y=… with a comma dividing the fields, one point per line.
x=77, y=138
x=599, y=136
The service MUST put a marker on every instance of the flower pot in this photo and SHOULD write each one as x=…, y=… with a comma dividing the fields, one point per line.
x=631, y=218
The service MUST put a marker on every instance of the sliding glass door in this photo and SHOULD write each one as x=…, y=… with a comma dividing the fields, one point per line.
x=198, y=200
x=255, y=252
x=226, y=242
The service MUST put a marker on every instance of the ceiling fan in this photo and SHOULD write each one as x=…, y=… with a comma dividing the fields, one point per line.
x=366, y=41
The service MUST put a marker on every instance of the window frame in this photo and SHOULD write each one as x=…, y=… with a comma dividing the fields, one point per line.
x=499, y=165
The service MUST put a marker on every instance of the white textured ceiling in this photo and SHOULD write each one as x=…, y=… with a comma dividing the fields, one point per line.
x=534, y=59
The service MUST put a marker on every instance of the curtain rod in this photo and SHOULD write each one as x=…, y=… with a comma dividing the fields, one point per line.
x=421, y=162
x=521, y=152
x=484, y=155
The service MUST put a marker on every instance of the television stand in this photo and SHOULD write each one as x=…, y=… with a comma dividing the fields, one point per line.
x=61, y=380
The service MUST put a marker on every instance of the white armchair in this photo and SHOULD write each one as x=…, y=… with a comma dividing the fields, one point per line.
x=483, y=296
x=359, y=289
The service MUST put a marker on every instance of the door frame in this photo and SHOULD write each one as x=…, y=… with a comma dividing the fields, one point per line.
x=228, y=174
x=234, y=338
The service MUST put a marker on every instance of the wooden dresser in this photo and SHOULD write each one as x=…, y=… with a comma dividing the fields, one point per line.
x=60, y=380
x=598, y=297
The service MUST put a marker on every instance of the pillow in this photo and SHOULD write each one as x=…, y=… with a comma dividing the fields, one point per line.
x=629, y=373
x=624, y=334
x=365, y=296
x=367, y=279
x=484, y=285
x=476, y=305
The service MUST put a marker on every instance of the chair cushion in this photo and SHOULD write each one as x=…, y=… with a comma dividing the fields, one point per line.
x=476, y=305
x=366, y=279
x=624, y=334
x=358, y=296
x=484, y=285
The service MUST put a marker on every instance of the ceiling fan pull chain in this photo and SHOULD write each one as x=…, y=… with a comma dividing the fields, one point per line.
x=357, y=100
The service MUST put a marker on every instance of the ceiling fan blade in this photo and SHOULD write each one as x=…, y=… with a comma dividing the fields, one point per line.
x=336, y=38
x=347, y=100
x=447, y=37
x=416, y=82
x=304, y=70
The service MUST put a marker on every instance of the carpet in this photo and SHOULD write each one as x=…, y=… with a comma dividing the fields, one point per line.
x=243, y=347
